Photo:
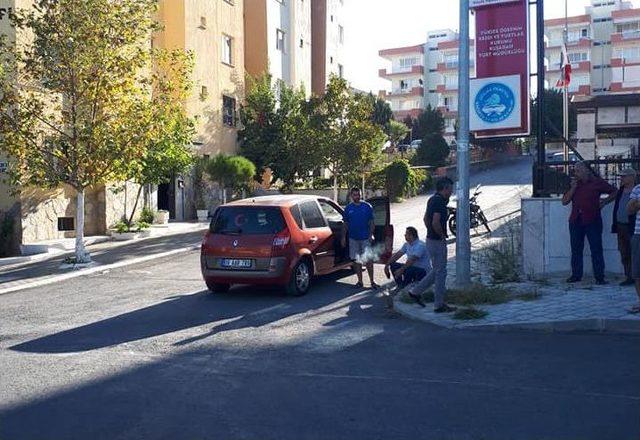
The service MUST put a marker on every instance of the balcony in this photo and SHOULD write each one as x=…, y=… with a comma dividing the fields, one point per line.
x=623, y=37
x=414, y=70
x=583, y=42
x=408, y=50
x=628, y=86
x=448, y=88
x=582, y=66
x=453, y=66
x=627, y=61
x=398, y=93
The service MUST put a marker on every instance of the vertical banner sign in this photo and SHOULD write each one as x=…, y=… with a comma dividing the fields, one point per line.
x=499, y=95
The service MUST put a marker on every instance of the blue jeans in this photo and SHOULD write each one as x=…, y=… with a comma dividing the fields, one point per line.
x=410, y=275
x=593, y=233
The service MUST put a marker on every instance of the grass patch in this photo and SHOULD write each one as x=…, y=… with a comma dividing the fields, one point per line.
x=477, y=294
x=469, y=313
x=534, y=295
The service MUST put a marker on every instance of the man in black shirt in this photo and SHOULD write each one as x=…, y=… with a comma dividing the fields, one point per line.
x=435, y=219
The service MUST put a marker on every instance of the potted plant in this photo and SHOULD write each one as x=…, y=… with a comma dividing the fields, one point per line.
x=122, y=231
x=162, y=217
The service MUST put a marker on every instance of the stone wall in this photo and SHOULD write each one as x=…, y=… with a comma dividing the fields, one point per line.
x=40, y=210
x=119, y=201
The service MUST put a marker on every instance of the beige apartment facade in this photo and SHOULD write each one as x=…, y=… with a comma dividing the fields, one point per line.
x=328, y=36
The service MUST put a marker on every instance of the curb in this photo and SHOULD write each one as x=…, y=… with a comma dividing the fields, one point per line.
x=600, y=325
x=95, y=269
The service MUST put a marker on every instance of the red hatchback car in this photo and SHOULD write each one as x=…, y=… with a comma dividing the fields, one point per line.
x=281, y=240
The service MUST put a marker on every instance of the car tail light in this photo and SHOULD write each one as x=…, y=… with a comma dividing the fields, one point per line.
x=281, y=240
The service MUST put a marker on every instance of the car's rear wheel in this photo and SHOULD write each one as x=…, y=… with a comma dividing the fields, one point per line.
x=218, y=287
x=300, y=279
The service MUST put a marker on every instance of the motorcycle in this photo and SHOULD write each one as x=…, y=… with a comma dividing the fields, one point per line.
x=477, y=216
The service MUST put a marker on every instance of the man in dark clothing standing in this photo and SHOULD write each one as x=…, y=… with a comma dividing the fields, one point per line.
x=586, y=221
x=623, y=223
x=435, y=219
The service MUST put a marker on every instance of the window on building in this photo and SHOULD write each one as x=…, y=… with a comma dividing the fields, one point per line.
x=229, y=1
x=280, y=40
x=227, y=49
x=204, y=93
x=203, y=23
x=578, y=57
x=229, y=111
x=341, y=34
x=301, y=43
x=331, y=60
x=66, y=224
x=451, y=60
x=408, y=63
x=340, y=70
x=629, y=29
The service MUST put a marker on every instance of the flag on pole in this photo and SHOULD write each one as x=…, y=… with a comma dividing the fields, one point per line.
x=565, y=69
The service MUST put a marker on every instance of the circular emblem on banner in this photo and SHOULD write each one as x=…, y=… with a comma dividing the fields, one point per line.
x=494, y=103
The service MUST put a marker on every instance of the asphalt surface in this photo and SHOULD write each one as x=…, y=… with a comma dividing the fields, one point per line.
x=146, y=352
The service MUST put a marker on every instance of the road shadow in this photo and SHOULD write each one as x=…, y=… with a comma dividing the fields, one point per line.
x=241, y=307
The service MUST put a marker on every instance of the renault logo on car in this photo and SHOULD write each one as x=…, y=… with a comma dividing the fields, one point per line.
x=235, y=243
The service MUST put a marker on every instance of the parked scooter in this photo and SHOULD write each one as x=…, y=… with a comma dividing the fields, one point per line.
x=477, y=216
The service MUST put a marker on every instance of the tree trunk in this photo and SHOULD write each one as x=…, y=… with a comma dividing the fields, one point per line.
x=82, y=256
x=335, y=187
x=135, y=205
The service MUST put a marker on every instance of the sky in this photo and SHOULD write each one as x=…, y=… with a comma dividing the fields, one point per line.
x=371, y=25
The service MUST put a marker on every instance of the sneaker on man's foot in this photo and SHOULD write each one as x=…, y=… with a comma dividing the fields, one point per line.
x=445, y=309
x=628, y=282
x=573, y=279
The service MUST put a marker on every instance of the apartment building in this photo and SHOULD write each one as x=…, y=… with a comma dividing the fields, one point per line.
x=278, y=40
x=328, y=37
x=603, y=47
x=426, y=74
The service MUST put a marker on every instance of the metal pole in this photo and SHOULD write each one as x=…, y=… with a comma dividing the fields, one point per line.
x=541, y=141
x=565, y=92
x=463, y=239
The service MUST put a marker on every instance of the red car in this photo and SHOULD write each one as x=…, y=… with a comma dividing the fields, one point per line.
x=281, y=240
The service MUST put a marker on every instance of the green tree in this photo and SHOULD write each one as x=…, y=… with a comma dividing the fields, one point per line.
x=168, y=152
x=553, y=114
x=430, y=121
x=349, y=141
x=397, y=131
x=382, y=113
x=235, y=172
x=76, y=108
x=434, y=151
x=262, y=130
x=295, y=155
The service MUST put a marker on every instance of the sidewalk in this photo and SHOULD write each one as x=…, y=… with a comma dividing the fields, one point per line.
x=105, y=256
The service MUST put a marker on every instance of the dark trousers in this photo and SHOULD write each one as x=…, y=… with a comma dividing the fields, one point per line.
x=624, y=246
x=410, y=275
x=593, y=233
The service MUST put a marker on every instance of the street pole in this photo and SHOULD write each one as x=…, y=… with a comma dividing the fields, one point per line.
x=565, y=92
x=540, y=191
x=463, y=239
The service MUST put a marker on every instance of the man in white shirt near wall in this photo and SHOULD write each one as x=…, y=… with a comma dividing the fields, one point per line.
x=417, y=264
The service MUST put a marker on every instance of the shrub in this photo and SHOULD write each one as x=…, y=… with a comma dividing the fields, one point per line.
x=147, y=215
x=322, y=183
x=397, y=178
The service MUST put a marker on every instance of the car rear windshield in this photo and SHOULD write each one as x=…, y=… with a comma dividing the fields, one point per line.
x=247, y=220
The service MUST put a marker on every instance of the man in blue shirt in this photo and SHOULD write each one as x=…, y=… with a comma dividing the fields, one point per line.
x=359, y=226
x=417, y=264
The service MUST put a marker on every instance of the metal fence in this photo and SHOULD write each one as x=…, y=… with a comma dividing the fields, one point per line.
x=557, y=180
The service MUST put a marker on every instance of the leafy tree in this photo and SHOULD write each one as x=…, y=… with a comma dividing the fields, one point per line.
x=262, y=131
x=349, y=141
x=168, y=152
x=553, y=113
x=382, y=113
x=430, y=121
x=77, y=110
x=433, y=151
x=296, y=156
x=397, y=132
x=234, y=172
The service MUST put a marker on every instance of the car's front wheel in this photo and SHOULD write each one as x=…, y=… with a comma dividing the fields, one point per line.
x=218, y=287
x=300, y=279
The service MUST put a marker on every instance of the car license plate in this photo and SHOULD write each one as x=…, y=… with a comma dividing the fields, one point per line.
x=235, y=263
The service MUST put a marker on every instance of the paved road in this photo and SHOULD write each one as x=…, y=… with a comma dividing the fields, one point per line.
x=145, y=352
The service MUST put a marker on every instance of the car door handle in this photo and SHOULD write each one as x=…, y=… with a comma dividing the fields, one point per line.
x=313, y=239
